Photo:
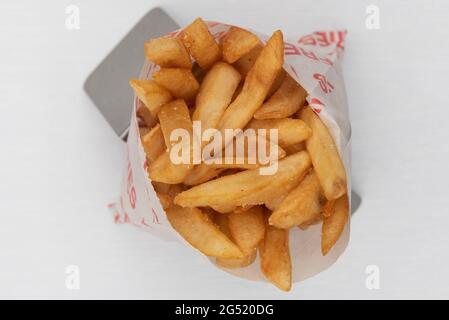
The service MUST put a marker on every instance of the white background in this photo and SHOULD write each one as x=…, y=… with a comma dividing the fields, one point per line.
x=61, y=163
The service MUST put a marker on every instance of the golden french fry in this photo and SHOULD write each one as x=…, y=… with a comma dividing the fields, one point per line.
x=247, y=228
x=198, y=230
x=143, y=131
x=215, y=94
x=276, y=83
x=201, y=44
x=275, y=260
x=167, y=192
x=256, y=86
x=315, y=220
x=174, y=115
x=145, y=114
x=325, y=158
x=295, y=148
x=238, y=42
x=201, y=173
x=334, y=224
x=247, y=187
x=238, y=262
x=153, y=143
x=164, y=170
x=152, y=95
x=251, y=157
x=328, y=208
x=180, y=82
x=161, y=187
x=300, y=205
x=168, y=53
x=222, y=221
x=286, y=101
x=274, y=203
x=290, y=131
x=246, y=62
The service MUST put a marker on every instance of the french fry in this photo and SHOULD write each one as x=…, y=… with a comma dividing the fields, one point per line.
x=290, y=131
x=249, y=161
x=286, y=101
x=300, y=205
x=257, y=83
x=201, y=173
x=238, y=262
x=237, y=42
x=174, y=115
x=180, y=82
x=145, y=114
x=328, y=208
x=325, y=158
x=164, y=170
x=198, y=230
x=222, y=221
x=168, y=53
x=215, y=94
x=315, y=220
x=276, y=83
x=247, y=228
x=152, y=95
x=247, y=187
x=246, y=62
x=167, y=192
x=295, y=148
x=143, y=131
x=153, y=143
x=275, y=260
x=334, y=224
x=201, y=44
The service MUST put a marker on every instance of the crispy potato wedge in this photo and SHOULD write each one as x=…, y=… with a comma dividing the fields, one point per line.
x=246, y=62
x=300, y=205
x=202, y=173
x=222, y=221
x=295, y=148
x=247, y=187
x=153, y=143
x=325, y=158
x=168, y=53
x=174, y=115
x=238, y=262
x=328, y=208
x=167, y=192
x=290, y=131
x=275, y=260
x=180, y=82
x=203, y=234
x=215, y=94
x=276, y=83
x=247, y=228
x=143, y=131
x=257, y=83
x=286, y=101
x=315, y=220
x=164, y=170
x=201, y=44
x=334, y=224
x=152, y=95
x=145, y=115
x=238, y=42
x=247, y=153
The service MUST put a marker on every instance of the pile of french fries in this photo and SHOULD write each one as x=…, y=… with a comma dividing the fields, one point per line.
x=230, y=211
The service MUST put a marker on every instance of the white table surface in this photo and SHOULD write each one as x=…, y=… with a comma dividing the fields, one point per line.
x=61, y=163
